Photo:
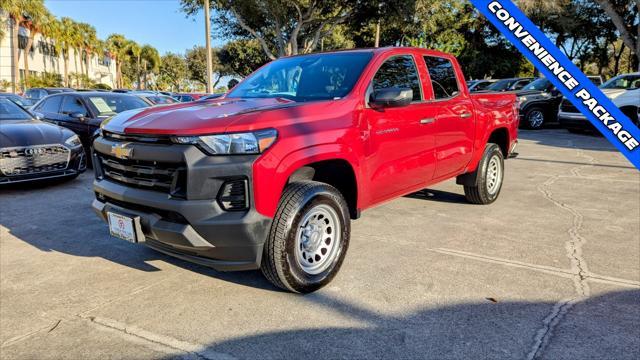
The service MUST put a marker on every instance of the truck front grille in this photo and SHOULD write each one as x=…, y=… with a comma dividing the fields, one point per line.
x=150, y=175
x=36, y=159
x=567, y=106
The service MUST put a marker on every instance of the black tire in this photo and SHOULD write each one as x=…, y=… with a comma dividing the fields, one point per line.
x=279, y=263
x=530, y=118
x=480, y=193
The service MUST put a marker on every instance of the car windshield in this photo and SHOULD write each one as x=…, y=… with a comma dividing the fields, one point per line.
x=11, y=111
x=540, y=84
x=111, y=104
x=18, y=100
x=305, y=78
x=501, y=85
x=627, y=82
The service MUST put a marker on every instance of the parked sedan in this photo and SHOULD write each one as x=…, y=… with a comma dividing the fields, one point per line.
x=156, y=98
x=31, y=149
x=83, y=112
x=36, y=94
x=539, y=102
x=17, y=99
x=187, y=97
x=511, y=84
x=479, y=85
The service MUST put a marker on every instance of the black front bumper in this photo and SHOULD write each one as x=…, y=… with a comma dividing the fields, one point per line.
x=187, y=221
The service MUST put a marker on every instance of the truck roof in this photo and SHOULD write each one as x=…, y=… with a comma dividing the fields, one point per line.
x=381, y=50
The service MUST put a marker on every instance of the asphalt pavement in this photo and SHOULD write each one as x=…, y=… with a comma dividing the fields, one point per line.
x=551, y=270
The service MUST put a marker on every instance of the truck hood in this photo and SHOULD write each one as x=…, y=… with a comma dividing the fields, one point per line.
x=195, y=118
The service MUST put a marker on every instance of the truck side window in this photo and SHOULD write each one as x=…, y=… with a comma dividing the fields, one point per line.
x=443, y=77
x=398, y=72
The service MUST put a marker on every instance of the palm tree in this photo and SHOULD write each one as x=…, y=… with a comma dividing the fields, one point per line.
x=65, y=42
x=17, y=11
x=37, y=16
x=134, y=50
x=88, y=43
x=116, y=44
x=150, y=59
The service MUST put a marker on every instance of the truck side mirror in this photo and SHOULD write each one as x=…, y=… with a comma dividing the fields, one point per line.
x=391, y=97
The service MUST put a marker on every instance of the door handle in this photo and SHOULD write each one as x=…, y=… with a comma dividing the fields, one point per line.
x=465, y=115
x=427, y=121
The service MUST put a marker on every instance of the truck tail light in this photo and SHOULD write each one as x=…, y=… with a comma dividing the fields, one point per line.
x=233, y=195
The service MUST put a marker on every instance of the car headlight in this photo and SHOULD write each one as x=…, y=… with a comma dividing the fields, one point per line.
x=522, y=99
x=73, y=141
x=232, y=144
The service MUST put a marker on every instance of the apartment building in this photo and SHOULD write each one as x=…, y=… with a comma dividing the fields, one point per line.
x=45, y=57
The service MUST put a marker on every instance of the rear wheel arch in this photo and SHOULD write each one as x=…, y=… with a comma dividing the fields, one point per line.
x=500, y=137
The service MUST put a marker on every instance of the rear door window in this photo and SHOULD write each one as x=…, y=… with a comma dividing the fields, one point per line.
x=399, y=72
x=443, y=77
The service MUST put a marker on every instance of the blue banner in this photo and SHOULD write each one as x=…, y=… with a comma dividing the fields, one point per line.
x=573, y=84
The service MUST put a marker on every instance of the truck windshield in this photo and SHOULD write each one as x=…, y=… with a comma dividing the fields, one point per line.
x=627, y=82
x=305, y=78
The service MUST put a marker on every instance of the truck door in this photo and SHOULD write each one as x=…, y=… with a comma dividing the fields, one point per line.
x=455, y=122
x=401, y=143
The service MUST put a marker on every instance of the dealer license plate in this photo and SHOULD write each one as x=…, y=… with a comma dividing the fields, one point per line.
x=122, y=227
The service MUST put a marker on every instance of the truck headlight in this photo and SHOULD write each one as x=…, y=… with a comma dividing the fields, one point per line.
x=232, y=144
x=73, y=141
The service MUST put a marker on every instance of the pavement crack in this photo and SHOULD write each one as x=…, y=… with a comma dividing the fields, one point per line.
x=158, y=342
x=54, y=326
x=573, y=249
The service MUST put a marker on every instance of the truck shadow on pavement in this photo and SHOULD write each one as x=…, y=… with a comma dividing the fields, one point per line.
x=57, y=217
x=439, y=196
x=606, y=326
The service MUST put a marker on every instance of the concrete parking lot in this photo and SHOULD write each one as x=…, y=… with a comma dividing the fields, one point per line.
x=551, y=270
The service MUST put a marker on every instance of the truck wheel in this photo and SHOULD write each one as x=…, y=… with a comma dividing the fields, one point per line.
x=534, y=118
x=489, y=177
x=309, y=237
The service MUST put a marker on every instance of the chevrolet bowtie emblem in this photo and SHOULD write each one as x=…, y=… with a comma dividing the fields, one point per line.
x=121, y=151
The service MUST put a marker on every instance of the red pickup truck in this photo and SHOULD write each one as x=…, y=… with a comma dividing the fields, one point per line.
x=271, y=175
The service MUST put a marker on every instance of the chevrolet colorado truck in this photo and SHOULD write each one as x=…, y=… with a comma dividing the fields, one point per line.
x=270, y=176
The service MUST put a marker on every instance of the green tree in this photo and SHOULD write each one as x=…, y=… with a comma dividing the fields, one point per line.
x=173, y=71
x=196, y=59
x=134, y=52
x=149, y=63
x=242, y=57
x=625, y=16
x=116, y=45
x=281, y=27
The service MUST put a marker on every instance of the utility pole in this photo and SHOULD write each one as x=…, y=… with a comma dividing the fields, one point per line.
x=378, y=34
x=207, y=29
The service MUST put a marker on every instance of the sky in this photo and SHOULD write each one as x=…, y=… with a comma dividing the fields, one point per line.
x=159, y=23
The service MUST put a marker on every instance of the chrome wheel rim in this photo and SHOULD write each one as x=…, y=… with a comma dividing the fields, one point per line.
x=494, y=175
x=318, y=239
x=536, y=118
